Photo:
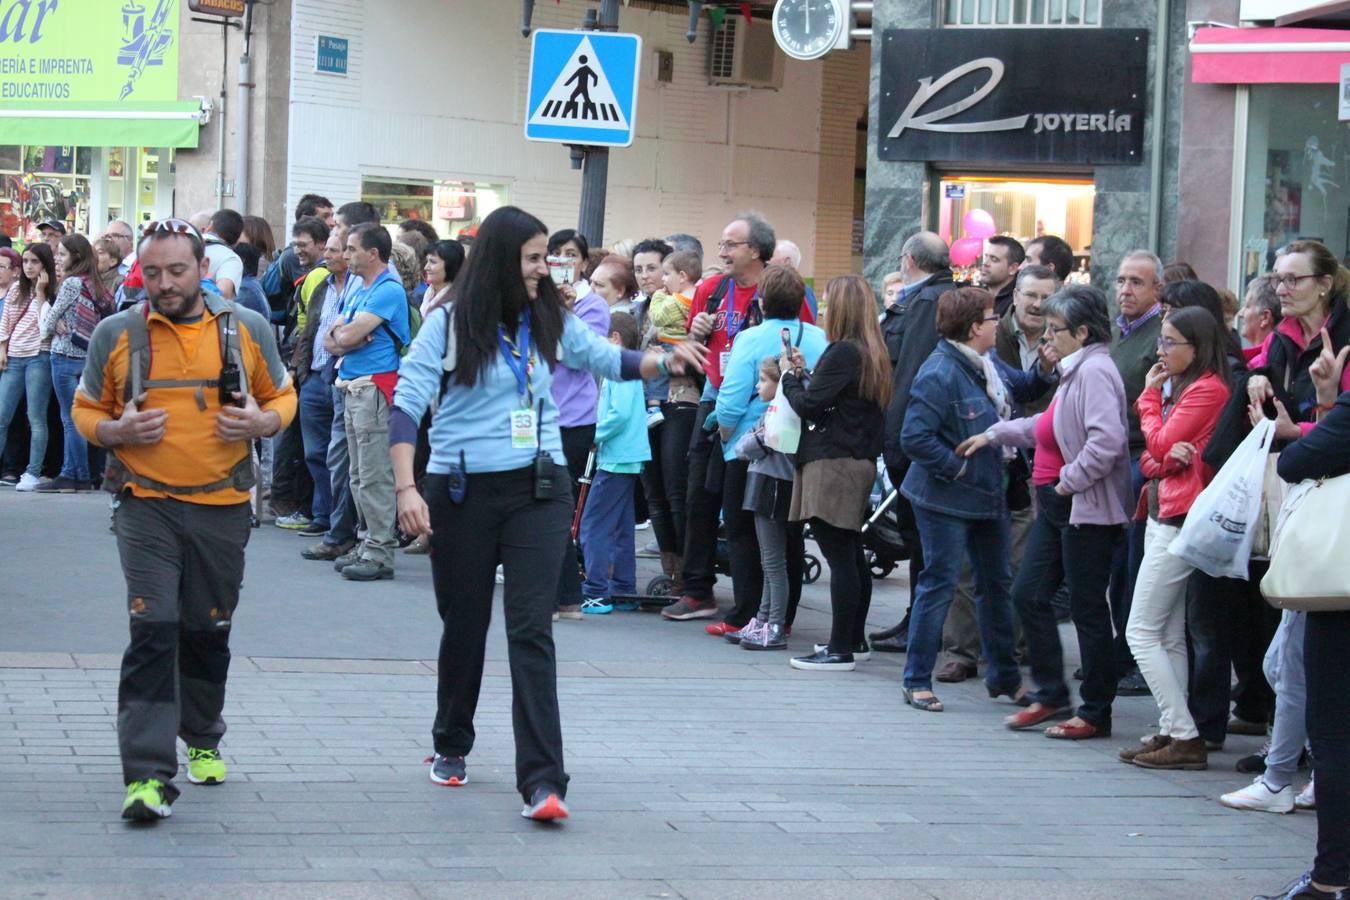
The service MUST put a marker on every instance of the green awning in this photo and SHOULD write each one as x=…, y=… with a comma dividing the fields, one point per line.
x=102, y=124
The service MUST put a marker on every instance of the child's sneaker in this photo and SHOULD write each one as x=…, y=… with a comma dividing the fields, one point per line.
x=1307, y=798
x=746, y=632
x=598, y=606
x=769, y=637
x=625, y=605
x=654, y=416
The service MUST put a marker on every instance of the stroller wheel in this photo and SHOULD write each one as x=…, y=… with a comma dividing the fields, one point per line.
x=811, y=571
x=880, y=566
x=661, y=586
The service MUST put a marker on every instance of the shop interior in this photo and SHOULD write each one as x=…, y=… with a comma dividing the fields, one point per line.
x=453, y=208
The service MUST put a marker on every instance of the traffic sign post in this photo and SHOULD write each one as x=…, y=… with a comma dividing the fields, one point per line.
x=583, y=87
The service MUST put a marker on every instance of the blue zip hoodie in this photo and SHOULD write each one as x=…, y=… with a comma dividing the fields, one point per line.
x=621, y=428
x=738, y=406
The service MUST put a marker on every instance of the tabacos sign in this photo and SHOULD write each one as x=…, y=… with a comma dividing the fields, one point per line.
x=1072, y=96
x=88, y=51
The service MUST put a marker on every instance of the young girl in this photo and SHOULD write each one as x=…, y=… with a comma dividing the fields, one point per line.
x=1192, y=366
x=768, y=494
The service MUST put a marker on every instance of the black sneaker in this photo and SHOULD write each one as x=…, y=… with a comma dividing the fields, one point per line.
x=824, y=660
x=862, y=652
x=1302, y=889
x=9, y=479
x=1132, y=685
x=449, y=771
x=313, y=529
x=58, y=485
x=1254, y=764
x=545, y=806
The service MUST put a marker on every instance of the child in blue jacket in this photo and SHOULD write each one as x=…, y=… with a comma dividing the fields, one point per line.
x=622, y=447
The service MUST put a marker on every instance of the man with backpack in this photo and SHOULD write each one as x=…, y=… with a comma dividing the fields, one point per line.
x=370, y=334
x=177, y=387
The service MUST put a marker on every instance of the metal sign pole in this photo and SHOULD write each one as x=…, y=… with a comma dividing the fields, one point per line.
x=595, y=160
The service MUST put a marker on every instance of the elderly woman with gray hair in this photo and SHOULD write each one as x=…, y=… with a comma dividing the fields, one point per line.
x=1081, y=474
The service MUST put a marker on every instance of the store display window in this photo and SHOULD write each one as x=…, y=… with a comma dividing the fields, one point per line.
x=42, y=183
x=452, y=207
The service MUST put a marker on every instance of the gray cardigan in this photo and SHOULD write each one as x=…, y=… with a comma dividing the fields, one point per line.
x=1093, y=436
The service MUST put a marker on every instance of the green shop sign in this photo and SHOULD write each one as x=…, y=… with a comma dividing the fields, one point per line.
x=92, y=73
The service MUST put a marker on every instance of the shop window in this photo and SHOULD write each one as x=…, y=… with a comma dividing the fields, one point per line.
x=452, y=207
x=1295, y=183
x=38, y=183
x=1023, y=209
x=1022, y=13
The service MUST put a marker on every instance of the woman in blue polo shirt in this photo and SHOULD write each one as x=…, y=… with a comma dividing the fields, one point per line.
x=497, y=486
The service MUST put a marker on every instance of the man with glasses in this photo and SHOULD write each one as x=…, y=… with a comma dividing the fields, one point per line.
x=156, y=391
x=119, y=232
x=1134, y=349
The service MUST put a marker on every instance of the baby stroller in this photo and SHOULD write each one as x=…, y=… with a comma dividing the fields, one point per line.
x=882, y=545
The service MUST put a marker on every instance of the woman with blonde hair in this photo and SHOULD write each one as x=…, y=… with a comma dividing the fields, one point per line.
x=843, y=410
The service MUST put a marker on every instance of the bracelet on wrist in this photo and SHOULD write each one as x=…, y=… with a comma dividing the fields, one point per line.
x=406, y=487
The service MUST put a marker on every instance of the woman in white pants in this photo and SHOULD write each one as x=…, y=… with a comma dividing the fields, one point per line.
x=1183, y=396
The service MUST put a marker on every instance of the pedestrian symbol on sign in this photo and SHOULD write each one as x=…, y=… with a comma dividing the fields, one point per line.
x=583, y=87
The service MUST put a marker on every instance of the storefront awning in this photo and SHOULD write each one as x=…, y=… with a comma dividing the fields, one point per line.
x=1268, y=55
x=103, y=125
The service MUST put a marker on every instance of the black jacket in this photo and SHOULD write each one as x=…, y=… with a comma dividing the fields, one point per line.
x=893, y=326
x=304, y=346
x=1003, y=300
x=920, y=337
x=1286, y=364
x=1324, y=451
x=836, y=422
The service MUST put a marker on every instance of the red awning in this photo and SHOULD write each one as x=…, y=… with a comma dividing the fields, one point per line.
x=1269, y=55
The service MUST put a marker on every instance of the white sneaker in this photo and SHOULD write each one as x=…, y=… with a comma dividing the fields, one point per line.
x=654, y=416
x=1306, y=798
x=500, y=578
x=1260, y=797
x=27, y=483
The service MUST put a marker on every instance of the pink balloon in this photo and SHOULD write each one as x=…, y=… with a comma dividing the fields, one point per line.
x=979, y=224
x=967, y=250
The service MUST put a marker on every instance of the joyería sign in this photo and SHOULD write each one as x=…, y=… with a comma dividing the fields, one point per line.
x=1045, y=95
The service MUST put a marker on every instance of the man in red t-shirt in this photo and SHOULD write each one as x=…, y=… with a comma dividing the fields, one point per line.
x=747, y=245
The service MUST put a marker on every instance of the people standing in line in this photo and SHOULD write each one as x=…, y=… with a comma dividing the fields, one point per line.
x=1053, y=252
x=960, y=502
x=842, y=407
x=782, y=295
x=576, y=395
x=648, y=257
x=287, y=270
x=613, y=280
x=497, y=488
x=1193, y=370
x=367, y=336
x=25, y=355
x=250, y=293
x=787, y=253
x=183, y=518
x=107, y=253
x=1259, y=317
x=1082, y=480
x=443, y=262
x=258, y=232
x=1134, y=348
x=225, y=228
x=621, y=449
x=1002, y=257
x=69, y=323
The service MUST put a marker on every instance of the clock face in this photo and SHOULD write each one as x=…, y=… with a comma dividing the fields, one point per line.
x=807, y=29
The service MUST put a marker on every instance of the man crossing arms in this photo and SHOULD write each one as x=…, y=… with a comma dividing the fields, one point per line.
x=152, y=392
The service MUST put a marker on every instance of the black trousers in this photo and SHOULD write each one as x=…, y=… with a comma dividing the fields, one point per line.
x=292, y=485
x=1328, y=714
x=666, y=477
x=499, y=520
x=703, y=509
x=850, y=584
x=1221, y=615
x=577, y=442
x=747, y=573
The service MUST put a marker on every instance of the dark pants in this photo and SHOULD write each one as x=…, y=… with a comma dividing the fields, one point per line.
x=1057, y=550
x=577, y=442
x=703, y=509
x=316, y=427
x=796, y=568
x=850, y=584
x=666, y=477
x=1254, y=625
x=1129, y=556
x=747, y=575
x=500, y=520
x=907, y=526
x=1328, y=634
x=184, y=564
x=1212, y=606
x=292, y=487
x=606, y=537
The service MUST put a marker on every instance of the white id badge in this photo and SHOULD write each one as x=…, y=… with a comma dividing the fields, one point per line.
x=724, y=360
x=523, y=432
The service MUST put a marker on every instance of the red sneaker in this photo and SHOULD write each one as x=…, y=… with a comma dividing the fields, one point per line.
x=690, y=608
x=721, y=629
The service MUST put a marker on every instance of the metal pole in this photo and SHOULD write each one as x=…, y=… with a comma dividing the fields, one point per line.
x=220, y=112
x=595, y=166
x=244, y=97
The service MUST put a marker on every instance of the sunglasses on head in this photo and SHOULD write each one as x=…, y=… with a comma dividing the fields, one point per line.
x=172, y=226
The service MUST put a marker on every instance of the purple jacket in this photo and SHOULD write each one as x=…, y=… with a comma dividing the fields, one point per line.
x=1093, y=436
x=575, y=391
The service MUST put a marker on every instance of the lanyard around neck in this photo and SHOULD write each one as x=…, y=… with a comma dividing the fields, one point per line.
x=519, y=358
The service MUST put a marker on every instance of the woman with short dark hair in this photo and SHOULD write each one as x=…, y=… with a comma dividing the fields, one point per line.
x=442, y=265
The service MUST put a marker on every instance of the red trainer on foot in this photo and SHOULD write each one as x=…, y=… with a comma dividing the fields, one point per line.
x=721, y=629
x=545, y=806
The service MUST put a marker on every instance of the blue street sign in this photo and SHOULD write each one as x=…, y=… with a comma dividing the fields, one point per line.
x=583, y=87
x=330, y=55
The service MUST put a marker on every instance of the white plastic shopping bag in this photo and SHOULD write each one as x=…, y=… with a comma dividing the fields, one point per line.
x=1219, y=529
x=782, y=425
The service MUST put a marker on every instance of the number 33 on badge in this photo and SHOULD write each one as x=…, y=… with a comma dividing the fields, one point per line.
x=808, y=29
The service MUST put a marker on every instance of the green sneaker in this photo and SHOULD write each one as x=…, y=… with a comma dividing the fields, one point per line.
x=145, y=801
x=205, y=766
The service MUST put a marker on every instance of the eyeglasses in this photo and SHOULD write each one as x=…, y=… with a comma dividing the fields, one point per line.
x=1039, y=298
x=727, y=245
x=990, y=318
x=1167, y=345
x=1289, y=281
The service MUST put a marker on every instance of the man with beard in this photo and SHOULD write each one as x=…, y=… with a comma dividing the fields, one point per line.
x=177, y=387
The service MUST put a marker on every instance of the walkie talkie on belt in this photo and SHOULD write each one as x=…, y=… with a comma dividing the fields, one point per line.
x=544, y=467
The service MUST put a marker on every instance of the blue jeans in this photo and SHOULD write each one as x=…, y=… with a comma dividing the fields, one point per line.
x=66, y=372
x=946, y=541
x=607, y=536
x=342, y=512
x=316, y=428
x=31, y=375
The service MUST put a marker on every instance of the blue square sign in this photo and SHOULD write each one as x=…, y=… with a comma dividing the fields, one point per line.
x=583, y=87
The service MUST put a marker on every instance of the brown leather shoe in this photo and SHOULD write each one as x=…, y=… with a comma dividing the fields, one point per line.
x=956, y=672
x=1189, y=755
x=1156, y=742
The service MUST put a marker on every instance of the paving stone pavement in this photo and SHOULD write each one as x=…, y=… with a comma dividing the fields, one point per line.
x=698, y=770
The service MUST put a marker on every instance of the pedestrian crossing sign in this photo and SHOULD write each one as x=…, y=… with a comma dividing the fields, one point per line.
x=583, y=87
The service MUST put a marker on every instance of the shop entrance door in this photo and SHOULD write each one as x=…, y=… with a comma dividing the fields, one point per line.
x=1023, y=208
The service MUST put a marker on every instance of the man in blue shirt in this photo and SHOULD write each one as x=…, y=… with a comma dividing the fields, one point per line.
x=368, y=335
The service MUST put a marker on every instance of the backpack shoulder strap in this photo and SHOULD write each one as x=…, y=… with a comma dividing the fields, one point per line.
x=719, y=294
x=138, y=350
x=450, y=358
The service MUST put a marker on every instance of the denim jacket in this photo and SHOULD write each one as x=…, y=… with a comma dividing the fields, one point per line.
x=948, y=404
